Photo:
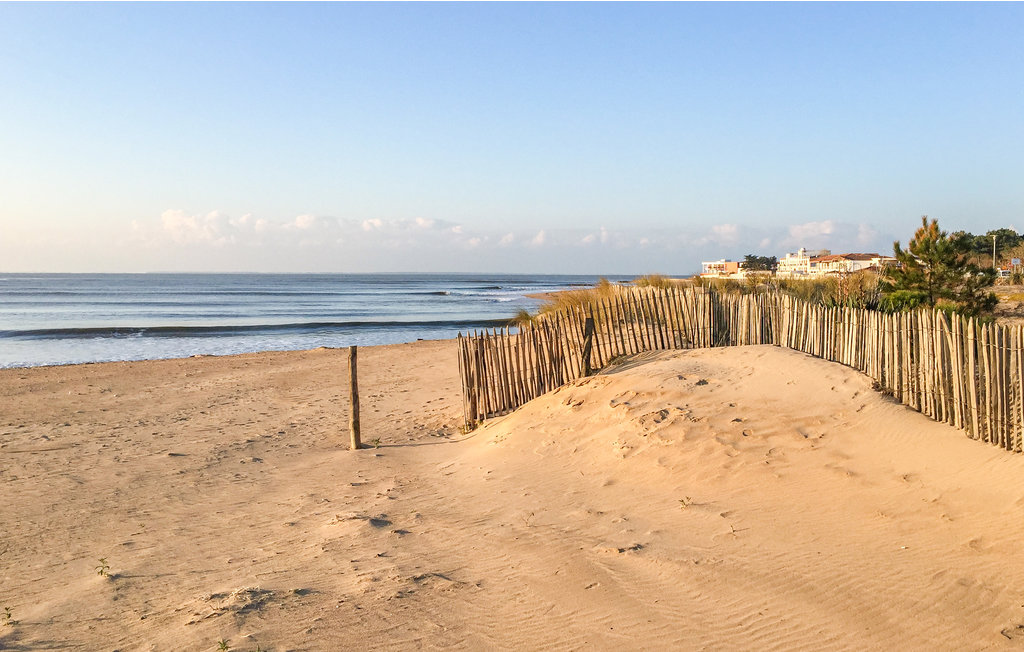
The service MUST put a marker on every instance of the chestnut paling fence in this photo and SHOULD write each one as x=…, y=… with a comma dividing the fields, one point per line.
x=954, y=369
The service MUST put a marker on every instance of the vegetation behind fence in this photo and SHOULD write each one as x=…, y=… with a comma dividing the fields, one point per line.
x=954, y=369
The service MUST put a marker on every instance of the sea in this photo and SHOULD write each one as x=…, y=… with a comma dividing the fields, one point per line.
x=51, y=319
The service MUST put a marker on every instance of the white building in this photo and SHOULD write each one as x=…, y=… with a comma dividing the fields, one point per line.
x=800, y=264
x=722, y=269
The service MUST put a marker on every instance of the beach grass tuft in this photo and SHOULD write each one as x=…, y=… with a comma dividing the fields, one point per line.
x=581, y=297
x=522, y=318
x=659, y=281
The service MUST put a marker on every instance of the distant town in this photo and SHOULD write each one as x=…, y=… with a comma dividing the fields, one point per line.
x=999, y=249
x=803, y=263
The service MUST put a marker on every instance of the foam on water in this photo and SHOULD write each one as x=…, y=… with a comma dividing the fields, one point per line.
x=50, y=319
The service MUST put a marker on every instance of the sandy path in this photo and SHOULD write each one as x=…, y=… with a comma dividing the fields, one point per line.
x=724, y=499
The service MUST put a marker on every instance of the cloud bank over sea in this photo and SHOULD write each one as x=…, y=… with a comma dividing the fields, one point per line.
x=182, y=240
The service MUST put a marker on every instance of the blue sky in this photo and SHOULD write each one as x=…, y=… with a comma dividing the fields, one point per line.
x=589, y=138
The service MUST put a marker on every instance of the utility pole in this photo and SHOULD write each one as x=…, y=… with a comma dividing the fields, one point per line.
x=994, y=253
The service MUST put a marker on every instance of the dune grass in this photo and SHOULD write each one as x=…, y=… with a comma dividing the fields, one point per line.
x=857, y=290
x=659, y=281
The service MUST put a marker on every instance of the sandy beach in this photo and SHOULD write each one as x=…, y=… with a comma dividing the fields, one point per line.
x=726, y=499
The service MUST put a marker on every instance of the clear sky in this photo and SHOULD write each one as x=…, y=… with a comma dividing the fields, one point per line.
x=589, y=138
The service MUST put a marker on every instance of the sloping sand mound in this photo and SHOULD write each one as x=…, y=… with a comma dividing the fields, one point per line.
x=754, y=498
x=744, y=498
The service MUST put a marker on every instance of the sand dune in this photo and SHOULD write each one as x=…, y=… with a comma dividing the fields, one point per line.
x=745, y=498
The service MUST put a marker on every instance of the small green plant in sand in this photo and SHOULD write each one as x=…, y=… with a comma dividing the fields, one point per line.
x=9, y=617
x=103, y=570
x=375, y=443
x=685, y=502
x=222, y=644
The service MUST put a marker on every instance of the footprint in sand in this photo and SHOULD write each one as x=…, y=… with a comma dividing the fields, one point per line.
x=1013, y=632
x=379, y=521
x=653, y=418
x=977, y=544
x=623, y=400
x=617, y=550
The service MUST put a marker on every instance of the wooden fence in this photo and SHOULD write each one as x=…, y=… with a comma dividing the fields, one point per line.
x=953, y=369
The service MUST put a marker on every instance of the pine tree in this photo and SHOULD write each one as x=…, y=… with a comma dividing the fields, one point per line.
x=935, y=270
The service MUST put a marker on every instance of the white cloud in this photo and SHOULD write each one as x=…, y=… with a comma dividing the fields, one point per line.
x=249, y=221
x=304, y=221
x=602, y=236
x=725, y=233
x=865, y=234
x=721, y=235
x=305, y=230
x=539, y=239
x=811, y=232
x=184, y=228
x=507, y=239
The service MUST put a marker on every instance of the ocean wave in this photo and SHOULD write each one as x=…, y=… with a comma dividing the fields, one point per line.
x=244, y=329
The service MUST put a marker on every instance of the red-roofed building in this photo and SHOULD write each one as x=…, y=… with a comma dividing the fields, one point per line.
x=847, y=263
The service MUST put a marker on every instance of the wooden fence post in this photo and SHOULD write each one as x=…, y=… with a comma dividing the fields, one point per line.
x=588, y=343
x=353, y=418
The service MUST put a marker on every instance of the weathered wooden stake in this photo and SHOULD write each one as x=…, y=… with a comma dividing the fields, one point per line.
x=588, y=343
x=353, y=417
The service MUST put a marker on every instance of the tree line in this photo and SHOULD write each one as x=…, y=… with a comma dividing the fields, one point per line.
x=1006, y=240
